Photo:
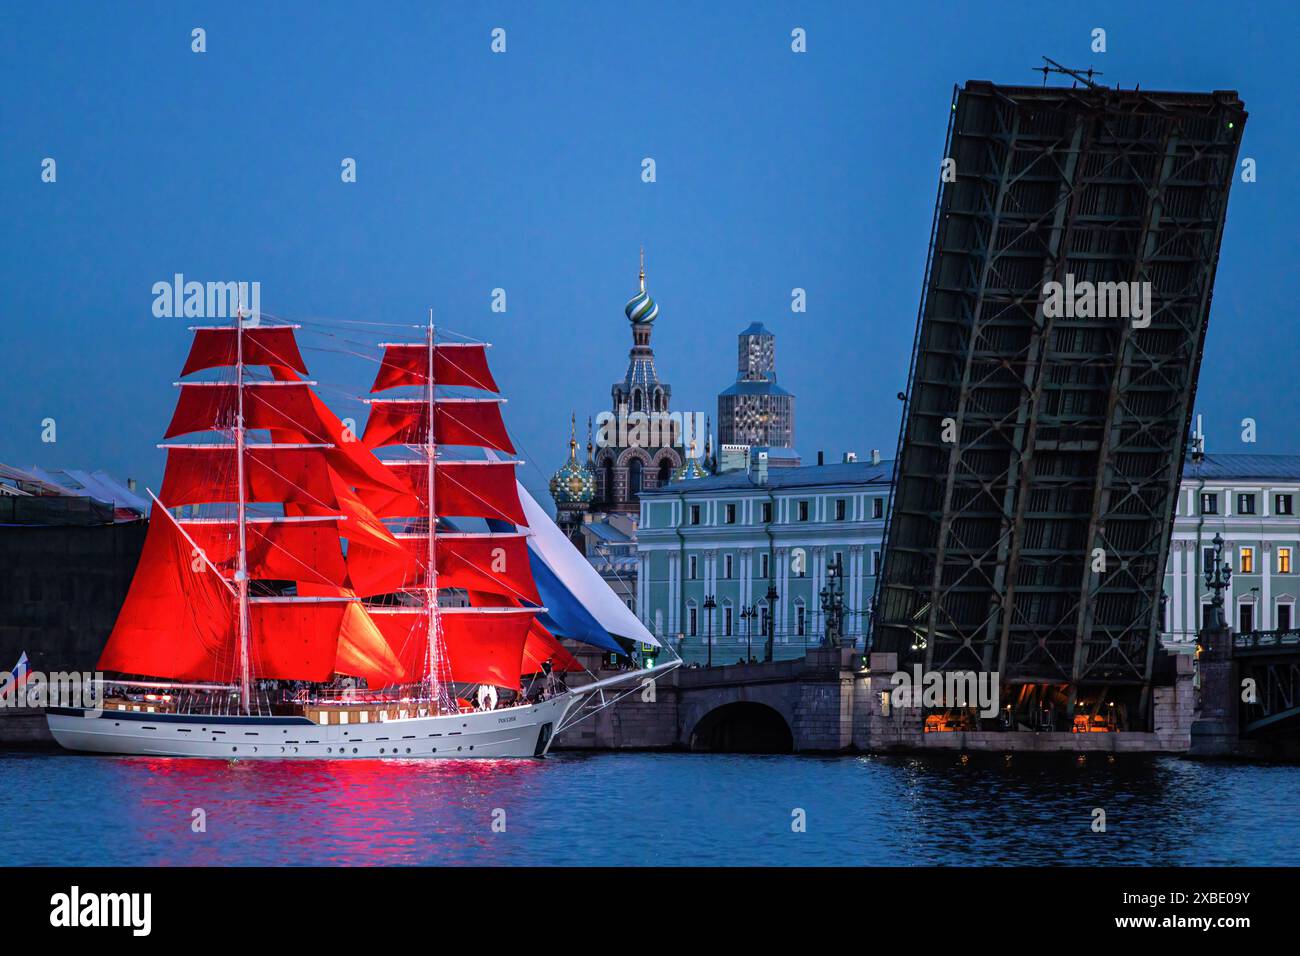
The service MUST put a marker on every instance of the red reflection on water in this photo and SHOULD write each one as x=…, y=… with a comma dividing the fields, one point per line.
x=326, y=811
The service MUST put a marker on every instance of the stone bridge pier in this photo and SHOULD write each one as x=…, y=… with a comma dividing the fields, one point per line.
x=829, y=702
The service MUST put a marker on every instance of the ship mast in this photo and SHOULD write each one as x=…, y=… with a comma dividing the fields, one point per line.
x=431, y=593
x=241, y=561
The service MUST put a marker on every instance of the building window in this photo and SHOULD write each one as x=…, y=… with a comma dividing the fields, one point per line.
x=1207, y=559
x=695, y=514
x=762, y=566
x=1245, y=504
x=1209, y=503
x=875, y=563
x=692, y=621
x=767, y=512
x=799, y=619
x=1282, y=505
x=1247, y=561
x=729, y=514
x=1283, y=560
x=1246, y=617
x=877, y=507
x=1207, y=611
x=726, y=620
x=803, y=511
x=840, y=509
x=726, y=566
x=1284, y=617
x=692, y=566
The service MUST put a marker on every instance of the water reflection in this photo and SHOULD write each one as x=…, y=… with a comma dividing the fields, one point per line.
x=679, y=809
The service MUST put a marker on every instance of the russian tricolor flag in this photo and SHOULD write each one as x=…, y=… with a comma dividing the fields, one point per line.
x=19, y=674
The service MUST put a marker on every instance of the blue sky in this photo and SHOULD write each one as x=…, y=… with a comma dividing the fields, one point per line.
x=523, y=171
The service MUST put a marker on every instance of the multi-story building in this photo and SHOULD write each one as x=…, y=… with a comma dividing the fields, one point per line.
x=755, y=410
x=731, y=537
x=1253, y=502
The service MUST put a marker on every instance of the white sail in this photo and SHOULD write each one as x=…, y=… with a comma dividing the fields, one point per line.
x=576, y=573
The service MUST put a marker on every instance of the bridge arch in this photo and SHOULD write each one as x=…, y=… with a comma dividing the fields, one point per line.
x=742, y=726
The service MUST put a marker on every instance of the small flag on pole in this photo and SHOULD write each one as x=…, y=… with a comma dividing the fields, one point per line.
x=19, y=674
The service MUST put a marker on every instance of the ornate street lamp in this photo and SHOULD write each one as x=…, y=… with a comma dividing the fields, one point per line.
x=832, y=596
x=709, y=605
x=771, y=621
x=749, y=613
x=1217, y=578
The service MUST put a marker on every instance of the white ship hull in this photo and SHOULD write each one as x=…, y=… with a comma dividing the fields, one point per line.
x=525, y=731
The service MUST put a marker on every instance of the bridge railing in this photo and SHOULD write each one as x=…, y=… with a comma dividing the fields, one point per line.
x=1267, y=640
x=729, y=650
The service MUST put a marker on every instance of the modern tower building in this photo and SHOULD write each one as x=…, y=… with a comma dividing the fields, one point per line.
x=754, y=410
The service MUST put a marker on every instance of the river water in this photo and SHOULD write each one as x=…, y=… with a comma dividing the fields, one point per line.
x=642, y=808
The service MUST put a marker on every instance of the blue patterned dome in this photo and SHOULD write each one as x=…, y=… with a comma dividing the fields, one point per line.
x=691, y=468
x=573, y=484
x=641, y=309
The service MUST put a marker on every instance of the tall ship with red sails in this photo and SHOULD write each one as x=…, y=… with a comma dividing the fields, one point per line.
x=298, y=607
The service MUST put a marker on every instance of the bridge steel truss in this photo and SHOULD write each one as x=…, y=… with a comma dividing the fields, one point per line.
x=1070, y=430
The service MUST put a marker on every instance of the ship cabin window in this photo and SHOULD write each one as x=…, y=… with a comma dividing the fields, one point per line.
x=1209, y=503
x=1282, y=505
x=1245, y=504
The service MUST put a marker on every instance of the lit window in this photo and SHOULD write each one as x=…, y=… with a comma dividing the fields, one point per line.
x=1247, y=563
x=1283, y=560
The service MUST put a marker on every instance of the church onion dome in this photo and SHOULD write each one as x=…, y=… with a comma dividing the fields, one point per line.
x=573, y=484
x=691, y=469
x=641, y=309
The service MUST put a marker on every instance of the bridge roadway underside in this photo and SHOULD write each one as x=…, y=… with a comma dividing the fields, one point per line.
x=829, y=703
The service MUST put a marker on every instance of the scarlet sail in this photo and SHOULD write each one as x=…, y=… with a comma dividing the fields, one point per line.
x=463, y=365
x=178, y=621
x=262, y=345
x=458, y=421
x=482, y=647
x=463, y=489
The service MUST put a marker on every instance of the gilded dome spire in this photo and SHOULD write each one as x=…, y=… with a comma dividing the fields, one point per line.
x=573, y=484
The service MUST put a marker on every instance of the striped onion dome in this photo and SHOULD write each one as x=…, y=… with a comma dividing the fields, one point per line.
x=641, y=309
